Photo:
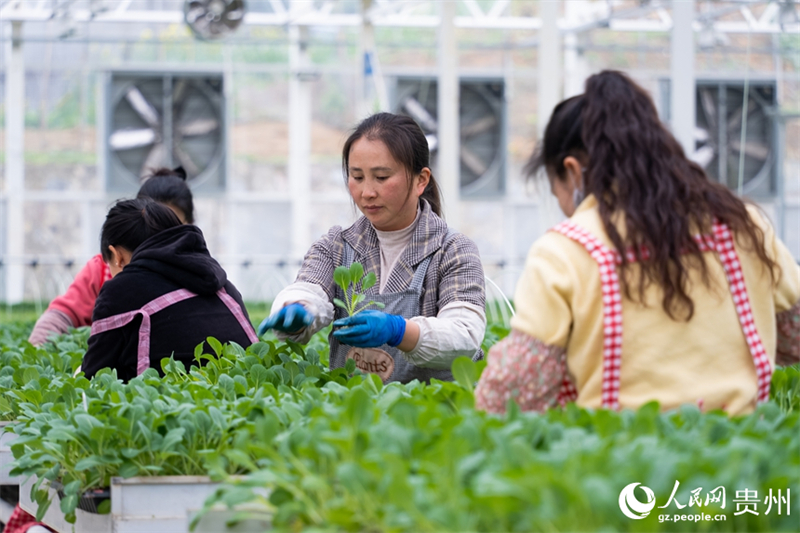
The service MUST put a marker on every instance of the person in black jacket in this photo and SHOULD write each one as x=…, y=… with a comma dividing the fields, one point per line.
x=167, y=294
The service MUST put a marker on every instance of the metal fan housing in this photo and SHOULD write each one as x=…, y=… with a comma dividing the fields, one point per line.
x=156, y=119
x=718, y=137
x=482, y=126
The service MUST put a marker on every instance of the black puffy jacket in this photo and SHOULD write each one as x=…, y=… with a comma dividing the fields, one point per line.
x=174, y=259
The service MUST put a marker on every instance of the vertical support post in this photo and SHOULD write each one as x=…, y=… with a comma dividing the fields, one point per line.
x=373, y=86
x=779, y=129
x=575, y=69
x=448, y=173
x=233, y=218
x=573, y=84
x=682, y=93
x=364, y=103
x=15, y=166
x=780, y=142
x=166, y=114
x=549, y=57
x=299, y=138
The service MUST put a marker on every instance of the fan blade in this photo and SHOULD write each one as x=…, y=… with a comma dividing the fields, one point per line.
x=154, y=160
x=707, y=103
x=194, y=12
x=198, y=127
x=703, y=156
x=186, y=160
x=129, y=139
x=143, y=107
x=736, y=121
x=473, y=162
x=420, y=114
x=433, y=142
x=178, y=91
x=479, y=126
x=235, y=16
x=752, y=149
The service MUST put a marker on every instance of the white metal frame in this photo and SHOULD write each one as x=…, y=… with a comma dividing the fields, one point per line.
x=650, y=15
x=724, y=17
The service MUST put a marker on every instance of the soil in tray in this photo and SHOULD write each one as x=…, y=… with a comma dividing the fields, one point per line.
x=89, y=501
x=9, y=493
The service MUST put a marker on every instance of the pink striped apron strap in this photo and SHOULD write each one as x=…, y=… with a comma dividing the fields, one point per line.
x=741, y=301
x=234, y=307
x=113, y=322
x=151, y=308
x=118, y=321
x=612, y=314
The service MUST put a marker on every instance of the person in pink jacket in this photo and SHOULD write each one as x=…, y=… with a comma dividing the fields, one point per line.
x=74, y=308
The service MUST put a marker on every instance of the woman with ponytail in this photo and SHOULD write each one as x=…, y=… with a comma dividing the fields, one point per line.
x=662, y=284
x=429, y=277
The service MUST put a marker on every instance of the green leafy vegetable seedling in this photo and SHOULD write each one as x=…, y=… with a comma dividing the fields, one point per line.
x=348, y=279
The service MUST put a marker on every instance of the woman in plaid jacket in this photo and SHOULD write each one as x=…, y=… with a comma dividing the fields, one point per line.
x=430, y=278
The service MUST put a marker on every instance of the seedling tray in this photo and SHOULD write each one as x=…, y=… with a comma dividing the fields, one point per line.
x=163, y=504
x=6, y=457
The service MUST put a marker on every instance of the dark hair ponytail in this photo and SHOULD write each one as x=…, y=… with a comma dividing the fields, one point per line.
x=169, y=187
x=563, y=137
x=636, y=167
x=131, y=222
x=406, y=141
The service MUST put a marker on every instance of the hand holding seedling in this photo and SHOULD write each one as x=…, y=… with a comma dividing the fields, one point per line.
x=370, y=328
x=364, y=328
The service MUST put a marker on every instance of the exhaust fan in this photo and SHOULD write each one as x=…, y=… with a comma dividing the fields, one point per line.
x=718, y=137
x=213, y=19
x=164, y=120
x=482, y=128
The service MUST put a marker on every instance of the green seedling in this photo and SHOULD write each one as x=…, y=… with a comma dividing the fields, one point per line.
x=350, y=278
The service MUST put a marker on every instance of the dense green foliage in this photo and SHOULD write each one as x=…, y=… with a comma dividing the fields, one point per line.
x=338, y=450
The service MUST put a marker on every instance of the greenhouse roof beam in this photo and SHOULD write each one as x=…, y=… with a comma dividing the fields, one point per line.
x=651, y=17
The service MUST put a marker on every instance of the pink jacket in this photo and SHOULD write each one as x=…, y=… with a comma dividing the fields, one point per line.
x=78, y=302
x=73, y=308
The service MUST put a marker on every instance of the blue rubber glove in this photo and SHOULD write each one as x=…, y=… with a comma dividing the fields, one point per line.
x=370, y=328
x=290, y=319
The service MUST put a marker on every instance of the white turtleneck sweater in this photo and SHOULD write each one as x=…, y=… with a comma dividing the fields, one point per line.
x=456, y=330
x=392, y=244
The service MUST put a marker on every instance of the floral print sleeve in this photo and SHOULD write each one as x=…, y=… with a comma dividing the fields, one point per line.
x=522, y=368
x=789, y=336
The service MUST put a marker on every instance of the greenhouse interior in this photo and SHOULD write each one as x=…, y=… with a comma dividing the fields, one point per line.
x=400, y=265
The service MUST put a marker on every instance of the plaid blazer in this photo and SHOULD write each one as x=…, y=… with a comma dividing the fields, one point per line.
x=455, y=273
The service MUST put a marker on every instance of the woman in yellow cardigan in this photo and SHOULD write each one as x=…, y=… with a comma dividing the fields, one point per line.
x=662, y=284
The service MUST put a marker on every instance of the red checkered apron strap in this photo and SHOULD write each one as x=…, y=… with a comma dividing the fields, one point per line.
x=234, y=307
x=612, y=314
x=118, y=321
x=106, y=272
x=733, y=270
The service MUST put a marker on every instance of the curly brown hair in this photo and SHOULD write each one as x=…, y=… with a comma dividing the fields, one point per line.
x=636, y=167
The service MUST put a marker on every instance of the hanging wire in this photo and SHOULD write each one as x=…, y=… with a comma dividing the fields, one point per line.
x=745, y=108
x=498, y=305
